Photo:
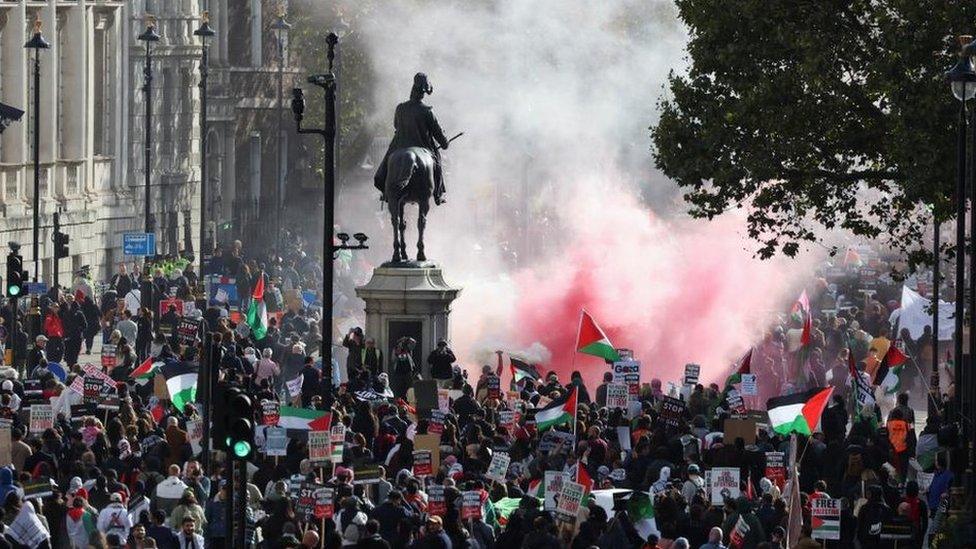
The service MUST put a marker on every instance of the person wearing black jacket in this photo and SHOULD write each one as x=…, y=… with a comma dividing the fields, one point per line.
x=92, y=324
x=440, y=361
x=75, y=327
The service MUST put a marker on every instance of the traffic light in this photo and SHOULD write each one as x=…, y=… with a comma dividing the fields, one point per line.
x=239, y=424
x=16, y=277
x=60, y=245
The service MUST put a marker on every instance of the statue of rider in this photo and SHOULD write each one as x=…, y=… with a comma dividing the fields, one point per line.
x=416, y=126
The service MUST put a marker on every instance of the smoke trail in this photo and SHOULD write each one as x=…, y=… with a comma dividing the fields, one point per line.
x=551, y=190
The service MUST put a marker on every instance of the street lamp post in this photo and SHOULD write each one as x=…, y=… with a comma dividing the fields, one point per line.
x=934, y=396
x=148, y=36
x=206, y=373
x=328, y=83
x=37, y=43
x=204, y=32
x=280, y=26
x=962, y=79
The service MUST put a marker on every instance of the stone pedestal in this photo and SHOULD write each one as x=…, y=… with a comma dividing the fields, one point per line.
x=412, y=301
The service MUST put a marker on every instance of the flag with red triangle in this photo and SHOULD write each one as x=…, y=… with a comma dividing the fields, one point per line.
x=892, y=359
x=592, y=341
x=745, y=367
x=583, y=477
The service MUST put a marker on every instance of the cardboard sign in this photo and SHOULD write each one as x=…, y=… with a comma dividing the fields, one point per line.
x=498, y=468
x=160, y=390
x=338, y=441
x=295, y=386
x=470, y=505
x=194, y=430
x=628, y=372
x=305, y=506
x=893, y=530
x=825, y=518
x=672, y=411
x=109, y=360
x=432, y=443
x=41, y=418
x=553, y=487
x=623, y=437
x=724, y=484
x=443, y=400
x=775, y=468
x=507, y=419
x=748, y=385
x=691, y=374
x=735, y=428
x=270, y=412
x=319, y=446
x=164, y=305
x=436, y=423
x=436, y=502
x=736, y=405
x=91, y=390
x=557, y=442
x=617, y=395
x=187, y=330
x=275, y=441
x=494, y=387
x=570, y=497
x=421, y=463
x=40, y=487
x=366, y=474
x=324, y=502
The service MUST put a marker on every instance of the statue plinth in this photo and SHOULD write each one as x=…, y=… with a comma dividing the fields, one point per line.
x=408, y=299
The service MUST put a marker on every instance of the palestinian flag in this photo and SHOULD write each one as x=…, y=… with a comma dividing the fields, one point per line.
x=798, y=413
x=145, y=372
x=745, y=367
x=583, y=477
x=522, y=370
x=257, y=313
x=640, y=509
x=592, y=341
x=562, y=410
x=891, y=365
x=537, y=488
x=181, y=381
x=303, y=419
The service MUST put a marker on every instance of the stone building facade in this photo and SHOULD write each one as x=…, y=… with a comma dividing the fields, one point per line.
x=92, y=124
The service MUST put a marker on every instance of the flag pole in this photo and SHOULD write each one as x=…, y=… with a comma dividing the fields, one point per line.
x=579, y=326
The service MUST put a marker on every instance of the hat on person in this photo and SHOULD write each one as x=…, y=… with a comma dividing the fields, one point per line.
x=435, y=519
x=40, y=338
x=115, y=497
x=7, y=385
x=694, y=469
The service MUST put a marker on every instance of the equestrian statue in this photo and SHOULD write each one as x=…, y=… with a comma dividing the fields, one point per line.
x=411, y=170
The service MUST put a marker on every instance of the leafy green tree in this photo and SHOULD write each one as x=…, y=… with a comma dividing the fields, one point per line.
x=816, y=114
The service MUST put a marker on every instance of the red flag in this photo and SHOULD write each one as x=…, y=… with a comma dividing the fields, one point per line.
x=745, y=367
x=583, y=477
x=258, y=292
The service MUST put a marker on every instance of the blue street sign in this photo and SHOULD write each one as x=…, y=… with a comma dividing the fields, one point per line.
x=36, y=288
x=139, y=244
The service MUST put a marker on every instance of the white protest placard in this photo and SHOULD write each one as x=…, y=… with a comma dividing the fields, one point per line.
x=924, y=481
x=748, y=385
x=623, y=437
x=570, y=498
x=295, y=386
x=724, y=484
x=617, y=395
x=691, y=374
x=628, y=372
x=41, y=418
x=498, y=468
x=825, y=518
x=194, y=430
x=276, y=441
x=553, y=486
x=319, y=447
x=338, y=441
x=444, y=400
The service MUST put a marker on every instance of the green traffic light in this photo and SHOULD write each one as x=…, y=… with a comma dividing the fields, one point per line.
x=228, y=442
x=242, y=448
x=13, y=290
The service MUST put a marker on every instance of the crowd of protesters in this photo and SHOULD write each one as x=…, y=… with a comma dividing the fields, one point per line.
x=133, y=477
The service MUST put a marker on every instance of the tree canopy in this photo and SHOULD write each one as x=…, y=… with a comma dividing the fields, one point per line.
x=816, y=114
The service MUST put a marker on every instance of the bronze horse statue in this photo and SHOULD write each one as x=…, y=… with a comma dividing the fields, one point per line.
x=409, y=180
